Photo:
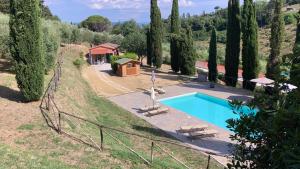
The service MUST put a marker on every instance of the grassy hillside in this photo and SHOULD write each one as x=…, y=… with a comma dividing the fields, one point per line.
x=36, y=146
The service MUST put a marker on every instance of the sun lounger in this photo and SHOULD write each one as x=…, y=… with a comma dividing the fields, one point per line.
x=157, y=112
x=149, y=108
x=190, y=129
x=160, y=90
x=203, y=134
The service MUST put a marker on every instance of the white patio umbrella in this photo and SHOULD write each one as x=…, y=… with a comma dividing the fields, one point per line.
x=262, y=81
x=288, y=87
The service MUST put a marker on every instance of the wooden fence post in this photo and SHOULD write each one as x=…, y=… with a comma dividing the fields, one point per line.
x=48, y=102
x=208, y=161
x=101, y=138
x=59, y=122
x=152, y=151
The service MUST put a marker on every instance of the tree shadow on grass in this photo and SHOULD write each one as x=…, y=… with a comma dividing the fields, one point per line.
x=154, y=131
x=11, y=94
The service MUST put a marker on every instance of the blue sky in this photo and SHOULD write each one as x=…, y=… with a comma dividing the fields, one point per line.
x=122, y=10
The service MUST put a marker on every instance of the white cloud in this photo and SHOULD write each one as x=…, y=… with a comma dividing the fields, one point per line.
x=132, y=4
x=114, y=4
x=182, y=3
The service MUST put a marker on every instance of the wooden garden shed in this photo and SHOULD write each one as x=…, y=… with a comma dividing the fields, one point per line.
x=128, y=67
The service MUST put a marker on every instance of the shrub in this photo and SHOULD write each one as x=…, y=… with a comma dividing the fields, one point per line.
x=289, y=18
x=130, y=55
x=79, y=62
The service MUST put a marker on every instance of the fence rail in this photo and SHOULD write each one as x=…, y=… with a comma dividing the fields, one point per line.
x=54, y=118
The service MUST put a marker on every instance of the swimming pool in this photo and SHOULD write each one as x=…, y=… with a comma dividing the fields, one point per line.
x=208, y=108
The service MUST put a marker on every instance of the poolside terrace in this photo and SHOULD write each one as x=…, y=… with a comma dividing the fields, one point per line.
x=170, y=122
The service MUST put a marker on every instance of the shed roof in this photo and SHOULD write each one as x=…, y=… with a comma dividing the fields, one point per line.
x=123, y=61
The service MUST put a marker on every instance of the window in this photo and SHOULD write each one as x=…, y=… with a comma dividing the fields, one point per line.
x=129, y=65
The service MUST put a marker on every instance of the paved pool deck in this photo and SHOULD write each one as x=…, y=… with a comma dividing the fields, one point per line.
x=171, y=121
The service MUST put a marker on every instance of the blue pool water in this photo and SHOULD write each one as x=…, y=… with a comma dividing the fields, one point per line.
x=208, y=108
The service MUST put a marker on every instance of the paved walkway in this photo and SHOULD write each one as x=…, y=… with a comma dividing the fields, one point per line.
x=171, y=121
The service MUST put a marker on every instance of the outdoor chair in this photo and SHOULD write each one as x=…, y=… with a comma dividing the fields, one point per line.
x=157, y=112
x=149, y=108
x=160, y=90
x=203, y=134
x=190, y=129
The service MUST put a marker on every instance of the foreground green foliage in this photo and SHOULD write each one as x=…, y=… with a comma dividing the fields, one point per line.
x=295, y=70
x=233, y=43
x=155, y=34
x=212, y=59
x=250, y=45
x=277, y=30
x=270, y=137
x=26, y=47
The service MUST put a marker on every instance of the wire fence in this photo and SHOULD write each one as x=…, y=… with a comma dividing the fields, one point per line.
x=95, y=135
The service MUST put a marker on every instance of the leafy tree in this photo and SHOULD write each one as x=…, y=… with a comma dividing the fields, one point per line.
x=126, y=28
x=295, y=70
x=267, y=136
x=250, y=44
x=50, y=47
x=96, y=23
x=212, y=59
x=277, y=30
x=175, y=30
x=136, y=43
x=75, y=36
x=233, y=43
x=156, y=35
x=26, y=47
x=187, y=53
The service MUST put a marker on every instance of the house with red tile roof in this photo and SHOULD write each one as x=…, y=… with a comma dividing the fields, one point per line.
x=102, y=53
x=221, y=68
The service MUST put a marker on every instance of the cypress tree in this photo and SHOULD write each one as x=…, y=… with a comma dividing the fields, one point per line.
x=187, y=53
x=277, y=29
x=26, y=47
x=149, y=48
x=250, y=44
x=212, y=59
x=175, y=30
x=156, y=35
x=295, y=70
x=233, y=43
